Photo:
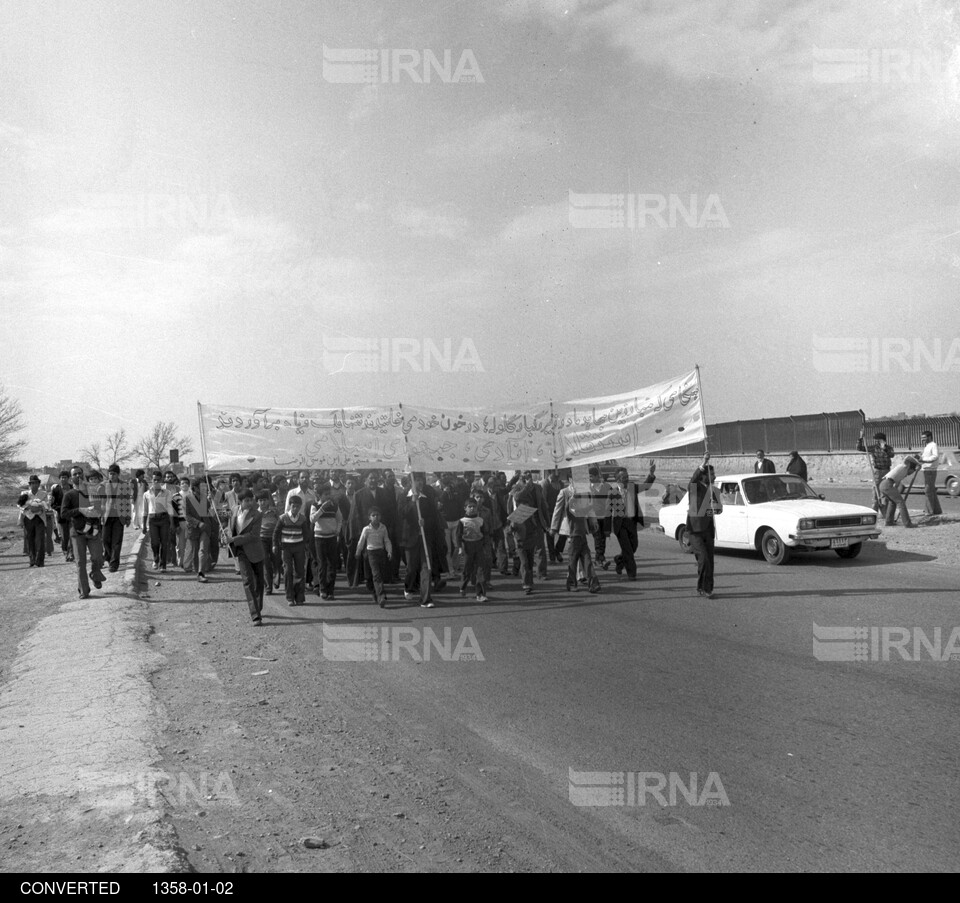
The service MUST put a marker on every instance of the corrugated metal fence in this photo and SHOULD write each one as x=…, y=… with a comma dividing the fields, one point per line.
x=817, y=433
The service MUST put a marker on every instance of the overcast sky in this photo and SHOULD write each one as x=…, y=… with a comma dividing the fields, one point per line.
x=194, y=206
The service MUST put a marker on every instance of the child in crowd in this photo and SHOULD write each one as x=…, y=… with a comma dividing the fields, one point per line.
x=471, y=542
x=293, y=535
x=582, y=523
x=374, y=549
x=327, y=525
x=269, y=516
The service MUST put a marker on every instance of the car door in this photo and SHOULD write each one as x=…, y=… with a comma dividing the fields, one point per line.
x=731, y=524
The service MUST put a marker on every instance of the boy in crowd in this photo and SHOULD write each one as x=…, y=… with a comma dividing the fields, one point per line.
x=116, y=516
x=293, y=535
x=573, y=517
x=471, y=539
x=374, y=551
x=157, y=516
x=268, y=524
x=327, y=526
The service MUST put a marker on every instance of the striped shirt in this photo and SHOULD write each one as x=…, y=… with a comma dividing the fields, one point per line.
x=374, y=538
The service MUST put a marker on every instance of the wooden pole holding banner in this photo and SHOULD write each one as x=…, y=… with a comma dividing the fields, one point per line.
x=706, y=438
x=224, y=538
x=416, y=498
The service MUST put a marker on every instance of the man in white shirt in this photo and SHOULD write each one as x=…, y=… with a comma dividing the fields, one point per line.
x=890, y=489
x=930, y=458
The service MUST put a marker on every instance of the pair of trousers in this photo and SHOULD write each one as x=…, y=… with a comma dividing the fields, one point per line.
x=35, y=533
x=112, y=541
x=930, y=489
x=418, y=577
x=475, y=566
x=450, y=534
x=196, y=556
x=374, y=569
x=64, y=526
x=81, y=546
x=294, y=564
x=600, y=541
x=580, y=555
x=272, y=560
x=327, y=554
x=702, y=546
x=526, y=567
x=160, y=538
x=627, y=539
x=251, y=573
x=895, y=503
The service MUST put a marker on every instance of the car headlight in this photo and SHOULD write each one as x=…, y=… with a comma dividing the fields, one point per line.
x=868, y=520
x=807, y=523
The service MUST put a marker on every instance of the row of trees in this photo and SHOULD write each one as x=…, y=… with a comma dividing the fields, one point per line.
x=149, y=451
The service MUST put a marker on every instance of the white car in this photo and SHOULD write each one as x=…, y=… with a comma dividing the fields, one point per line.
x=776, y=514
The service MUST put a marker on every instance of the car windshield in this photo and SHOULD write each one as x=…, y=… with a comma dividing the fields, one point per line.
x=776, y=488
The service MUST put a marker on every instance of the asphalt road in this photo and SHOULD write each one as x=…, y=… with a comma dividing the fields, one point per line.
x=825, y=764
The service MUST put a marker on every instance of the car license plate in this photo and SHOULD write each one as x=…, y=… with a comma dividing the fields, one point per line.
x=841, y=543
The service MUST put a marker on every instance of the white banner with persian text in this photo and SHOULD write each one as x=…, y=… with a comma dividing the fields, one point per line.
x=402, y=437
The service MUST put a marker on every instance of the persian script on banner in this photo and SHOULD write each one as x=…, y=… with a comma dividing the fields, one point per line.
x=401, y=437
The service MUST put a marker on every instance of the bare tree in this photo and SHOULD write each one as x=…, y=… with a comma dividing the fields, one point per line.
x=91, y=454
x=11, y=423
x=154, y=447
x=118, y=449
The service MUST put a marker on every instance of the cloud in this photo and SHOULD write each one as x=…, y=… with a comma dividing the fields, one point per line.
x=909, y=78
x=441, y=222
x=511, y=133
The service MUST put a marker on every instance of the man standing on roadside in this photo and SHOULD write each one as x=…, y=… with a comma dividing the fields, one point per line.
x=881, y=460
x=80, y=509
x=797, y=466
x=116, y=516
x=763, y=464
x=930, y=458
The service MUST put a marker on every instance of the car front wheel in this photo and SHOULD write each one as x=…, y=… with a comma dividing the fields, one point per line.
x=953, y=486
x=850, y=551
x=773, y=548
x=683, y=537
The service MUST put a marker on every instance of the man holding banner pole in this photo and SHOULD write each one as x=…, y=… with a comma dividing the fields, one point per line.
x=417, y=527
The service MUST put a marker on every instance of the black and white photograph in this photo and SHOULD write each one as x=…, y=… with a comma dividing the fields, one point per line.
x=477, y=436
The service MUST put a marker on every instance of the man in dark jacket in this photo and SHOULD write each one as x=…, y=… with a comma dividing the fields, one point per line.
x=419, y=522
x=763, y=464
x=796, y=465
x=245, y=539
x=81, y=509
x=704, y=503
